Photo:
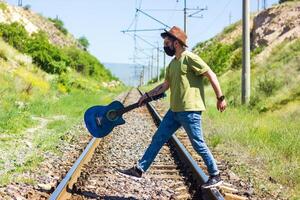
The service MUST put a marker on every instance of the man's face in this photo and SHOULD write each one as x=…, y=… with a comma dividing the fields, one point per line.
x=169, y=47
x=168, y=42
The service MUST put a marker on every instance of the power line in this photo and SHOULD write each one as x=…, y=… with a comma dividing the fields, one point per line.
x=133, y=21
x=139, y=10
x=139, y=30
x=216, y=18
x=164, y=10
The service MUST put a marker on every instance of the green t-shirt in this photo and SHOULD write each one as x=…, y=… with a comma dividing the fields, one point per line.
x=184, y=76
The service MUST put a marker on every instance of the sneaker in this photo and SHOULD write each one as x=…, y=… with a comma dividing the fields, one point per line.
x=213, y=181
x=133, y=172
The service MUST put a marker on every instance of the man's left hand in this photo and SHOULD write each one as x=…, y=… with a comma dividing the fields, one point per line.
x=221, y=105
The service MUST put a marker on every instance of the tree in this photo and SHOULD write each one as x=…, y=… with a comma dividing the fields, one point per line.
x=282, y=1
x=84, y=42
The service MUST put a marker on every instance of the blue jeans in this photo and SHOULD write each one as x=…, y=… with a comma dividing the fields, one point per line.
x=191, y=122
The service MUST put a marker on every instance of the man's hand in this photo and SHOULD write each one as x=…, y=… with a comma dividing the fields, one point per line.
x=221, y=105
x=142, y=99
x=158, y=90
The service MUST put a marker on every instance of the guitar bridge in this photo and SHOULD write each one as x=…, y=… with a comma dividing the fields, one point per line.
x=98, y=121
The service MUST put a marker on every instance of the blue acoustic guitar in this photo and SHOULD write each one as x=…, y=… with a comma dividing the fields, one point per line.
x=100, y=120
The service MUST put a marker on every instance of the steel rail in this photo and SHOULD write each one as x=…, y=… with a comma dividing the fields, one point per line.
x=65, y=186
x=198, y=175
x=64, y=189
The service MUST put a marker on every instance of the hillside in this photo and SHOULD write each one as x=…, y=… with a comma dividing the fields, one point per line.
x=34, y=22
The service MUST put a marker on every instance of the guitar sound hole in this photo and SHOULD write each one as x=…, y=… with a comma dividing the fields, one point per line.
x=112, y=115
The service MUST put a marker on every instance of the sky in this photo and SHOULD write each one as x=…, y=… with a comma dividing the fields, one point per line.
x=101, y=22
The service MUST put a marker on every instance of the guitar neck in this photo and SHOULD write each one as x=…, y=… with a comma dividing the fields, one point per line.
x=128, y=108
x=136, y=105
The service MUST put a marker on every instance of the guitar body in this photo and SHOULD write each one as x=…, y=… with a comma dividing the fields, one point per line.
x=100, y=120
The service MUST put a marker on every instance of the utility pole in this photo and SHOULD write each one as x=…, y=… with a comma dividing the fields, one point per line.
x=196, y=11
x=164, y=63
x=264, y=4
x=142, y=76
x=246, y=53
x=157, y=64
x=184, y=13
x=258, y=5
x=230, y=16
x=152, y=57
x=149, y=67
x=20, y=3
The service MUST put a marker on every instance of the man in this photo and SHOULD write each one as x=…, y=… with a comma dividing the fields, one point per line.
x=184, y=78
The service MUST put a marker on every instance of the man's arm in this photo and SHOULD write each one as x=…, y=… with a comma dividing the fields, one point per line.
x=221, y=104
x=157, y=90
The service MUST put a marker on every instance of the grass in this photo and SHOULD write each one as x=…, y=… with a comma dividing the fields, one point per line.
x=263, y=141
x=264, y=136
x=30, y=163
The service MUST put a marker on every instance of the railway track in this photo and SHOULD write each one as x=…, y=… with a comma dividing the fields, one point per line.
x=94, y=174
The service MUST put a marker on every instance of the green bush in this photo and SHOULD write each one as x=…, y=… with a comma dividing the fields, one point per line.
x=267, y=85
x=27, y=7
x=3, y=54
x=282, y=1
x=232, y=91
x=15, y=35
x=49, y=57
x=87, y=64
x=219, y=56
x=59, y=24
x=84, y=42
x=216, y=55
x=238, y=43
x=257, y=50
x=236, y=59
x=3, y=6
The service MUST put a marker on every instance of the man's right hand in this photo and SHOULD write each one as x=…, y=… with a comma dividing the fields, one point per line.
x=158, y=90
x=141, y=100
